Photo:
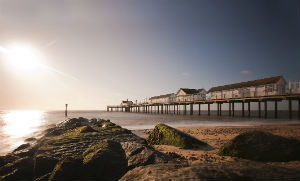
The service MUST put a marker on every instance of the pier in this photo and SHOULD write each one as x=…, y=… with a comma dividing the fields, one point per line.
x=173, y=107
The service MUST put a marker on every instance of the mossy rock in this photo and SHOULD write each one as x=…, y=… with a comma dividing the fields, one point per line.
x=105, y=161
x=166, y=135
x=262, y=146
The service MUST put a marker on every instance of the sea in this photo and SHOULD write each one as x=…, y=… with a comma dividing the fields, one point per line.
x=18, y=125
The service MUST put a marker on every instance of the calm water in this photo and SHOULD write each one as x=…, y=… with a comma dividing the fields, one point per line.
x=16, y=126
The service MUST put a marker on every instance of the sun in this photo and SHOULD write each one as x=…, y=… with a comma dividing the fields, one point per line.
x=23, y=57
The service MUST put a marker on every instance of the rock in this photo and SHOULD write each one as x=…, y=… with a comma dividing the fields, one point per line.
x=21, y=169
x=70, y=168
x=21, y=147
x=139, y=154
x=214, y=171
x=43, y=165
x=80, y=149
x=31, y=139
x=262, y=146
x=166, y=135
x=105, y=161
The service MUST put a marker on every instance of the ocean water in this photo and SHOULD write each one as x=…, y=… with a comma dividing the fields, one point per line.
x=16, y=126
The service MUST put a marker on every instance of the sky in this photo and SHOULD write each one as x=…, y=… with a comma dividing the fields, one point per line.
x=97, y=53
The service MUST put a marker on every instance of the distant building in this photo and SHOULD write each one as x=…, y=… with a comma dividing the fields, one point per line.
x=185, y=94
x=262, y=87
x=167, y=98
x=126, y=103
x=293, y=87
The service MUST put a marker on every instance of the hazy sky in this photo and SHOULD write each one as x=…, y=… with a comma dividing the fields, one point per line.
x=101, y=52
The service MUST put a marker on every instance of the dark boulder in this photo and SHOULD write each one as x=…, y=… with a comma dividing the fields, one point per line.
x=214, y=171
x=262, y=146
x=105, y=160
x=21, y=169
x=21, y=147
x=138, y=154
x=166, y=135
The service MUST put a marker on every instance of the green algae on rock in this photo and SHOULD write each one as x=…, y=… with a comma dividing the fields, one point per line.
x=166, y=135
x=262, y=146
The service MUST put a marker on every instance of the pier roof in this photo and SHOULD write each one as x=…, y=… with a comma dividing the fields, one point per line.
x=161, y=96
x=190, y=91
x=258, y=82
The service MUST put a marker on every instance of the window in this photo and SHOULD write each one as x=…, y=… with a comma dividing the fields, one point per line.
x=270, y=88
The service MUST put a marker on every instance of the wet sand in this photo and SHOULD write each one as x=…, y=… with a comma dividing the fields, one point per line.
x=220, y=135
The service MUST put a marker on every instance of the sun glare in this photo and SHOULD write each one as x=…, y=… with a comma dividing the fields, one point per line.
x=18, y=124
x=23, y=57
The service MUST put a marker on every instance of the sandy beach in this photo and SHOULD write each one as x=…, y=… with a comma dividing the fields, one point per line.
x=218, y=136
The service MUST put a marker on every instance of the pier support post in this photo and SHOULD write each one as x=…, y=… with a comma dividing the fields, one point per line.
x=243, y=109
x=191, y=109
x=177, y=109
x=275, y=109
x=184, y=109
x=174, y=109
x=220, y=109
x=208, y=109
x=290, y=109
x=162, y=109
x=229, y=112
x=158, y=109
x=266, y=109
x=199, y=109
x=167, y=109
x=249, y=109
x=259, y=109
x=232, y=109
x=299, y=109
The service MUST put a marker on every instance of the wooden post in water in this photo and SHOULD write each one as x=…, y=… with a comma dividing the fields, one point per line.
x=229, y=109
x=184, y=109
x=199, y=109
x=208, y=109
x=220, y=109
x=249, y=109
x=266, y=109
x=243, y=109
x=191, y=109
x=259, y=109
x=174, y=109
x=66, y=111
x=232, y=109
x=299, y=109
x=290, y=109
x=177, y=109
x=276, y=114
x=162, y=109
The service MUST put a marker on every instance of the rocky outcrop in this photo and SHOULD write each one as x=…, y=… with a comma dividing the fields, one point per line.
x=166, y=135
x=214, y=171
x=262, y=146
x=80, y=149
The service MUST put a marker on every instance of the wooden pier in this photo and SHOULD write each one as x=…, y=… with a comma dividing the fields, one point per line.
x=165, y=108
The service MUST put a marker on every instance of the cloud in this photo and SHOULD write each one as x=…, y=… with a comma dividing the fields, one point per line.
x=246, y=72
x=185, y=74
